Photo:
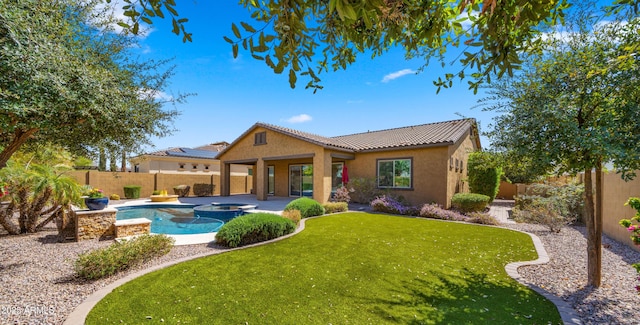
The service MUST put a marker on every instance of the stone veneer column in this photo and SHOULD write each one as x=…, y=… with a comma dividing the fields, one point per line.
x=95, y=224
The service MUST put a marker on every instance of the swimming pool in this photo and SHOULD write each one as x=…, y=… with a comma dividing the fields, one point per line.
x=172, y=219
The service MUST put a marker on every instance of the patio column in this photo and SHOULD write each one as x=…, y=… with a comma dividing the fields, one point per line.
x=225, y=179
x=322, y=177
x=261, y=180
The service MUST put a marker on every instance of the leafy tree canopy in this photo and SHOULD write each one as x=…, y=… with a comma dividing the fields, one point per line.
x=574, y=107
x=304, y=38
x=67, y=79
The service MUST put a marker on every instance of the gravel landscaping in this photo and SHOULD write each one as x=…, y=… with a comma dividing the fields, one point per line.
x=39, y=286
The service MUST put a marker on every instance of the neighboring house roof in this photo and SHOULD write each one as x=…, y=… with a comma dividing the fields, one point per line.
x=208, y=151
x=440, y=133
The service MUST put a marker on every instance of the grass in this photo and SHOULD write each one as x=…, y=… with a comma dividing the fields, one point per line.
x=351, y=268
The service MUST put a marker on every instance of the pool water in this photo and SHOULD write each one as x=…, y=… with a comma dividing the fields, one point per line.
x=171, y=219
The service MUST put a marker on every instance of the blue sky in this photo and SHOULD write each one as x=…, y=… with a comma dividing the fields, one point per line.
x=233, y=94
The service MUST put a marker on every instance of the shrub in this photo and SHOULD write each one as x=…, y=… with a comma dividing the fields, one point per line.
x=469, y=202
x=482, y=218
x=389, y=204
x=203, y=189
x=181, y=190
x=156, y=192
x=542, y=211
x=333, y=207
x=293, y=215
x=114, y=197
x=437, y=212
x=132, y=191
x=364, y=191
x=307, y=207
x=121, y=256
x=342, y=194
x=562, y=204
x=253, y=228
x=484, y=174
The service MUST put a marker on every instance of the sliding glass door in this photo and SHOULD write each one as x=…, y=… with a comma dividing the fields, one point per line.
x=301, y=180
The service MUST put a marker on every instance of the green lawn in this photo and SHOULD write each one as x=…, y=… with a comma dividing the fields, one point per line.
x=350, y=268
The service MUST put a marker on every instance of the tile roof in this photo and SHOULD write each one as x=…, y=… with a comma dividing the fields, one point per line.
x=440, y=133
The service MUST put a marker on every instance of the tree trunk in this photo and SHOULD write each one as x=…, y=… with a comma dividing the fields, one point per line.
x=123, y=162
x=594, y=233
x=19, y=138
x=113, y=160
x=6, y=215
x=102, y=160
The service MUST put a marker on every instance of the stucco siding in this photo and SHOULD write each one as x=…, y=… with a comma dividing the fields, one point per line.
x=457, y=174
x=429, y=172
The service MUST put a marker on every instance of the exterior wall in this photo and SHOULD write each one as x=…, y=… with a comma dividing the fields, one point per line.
x=114, y=182
x=457, y=170
x=95, y=224
x=429, y=172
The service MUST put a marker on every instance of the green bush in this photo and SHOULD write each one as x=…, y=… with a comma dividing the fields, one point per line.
x=484, y=174
x=253, y=228
x=307, y=207
x=469, y=202
x=333, y=207
x=132, y=191
x=114, y=197
x=121, y=256
x=155, y=192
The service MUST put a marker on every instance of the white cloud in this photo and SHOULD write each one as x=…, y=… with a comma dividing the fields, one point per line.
x=111, y=13
x=299, y=118
x=397, y=74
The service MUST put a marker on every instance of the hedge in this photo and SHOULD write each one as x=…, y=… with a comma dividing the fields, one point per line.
x=253, y=228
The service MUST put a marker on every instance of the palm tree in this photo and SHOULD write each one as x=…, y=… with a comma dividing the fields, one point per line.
x=38, y=194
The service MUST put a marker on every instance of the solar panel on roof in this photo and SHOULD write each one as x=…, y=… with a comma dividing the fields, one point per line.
x=186, y=152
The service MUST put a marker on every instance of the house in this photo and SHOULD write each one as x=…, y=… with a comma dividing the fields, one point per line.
x=198, y=160
x=423, y=163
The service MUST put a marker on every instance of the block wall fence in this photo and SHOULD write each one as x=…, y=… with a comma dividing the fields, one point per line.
x=615, y=192
x=114, y=182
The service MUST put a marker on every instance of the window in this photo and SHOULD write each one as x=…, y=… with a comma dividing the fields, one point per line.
x=194, y=166
x=206, y=167
x=394, y=173
x=260, y=138
x=180, y=165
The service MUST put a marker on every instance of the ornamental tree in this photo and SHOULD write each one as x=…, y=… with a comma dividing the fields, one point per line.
x=67, y=79
x=304, y=38
x=575, y=107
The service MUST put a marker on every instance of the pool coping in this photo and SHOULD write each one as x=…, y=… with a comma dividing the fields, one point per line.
x=567, y=313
